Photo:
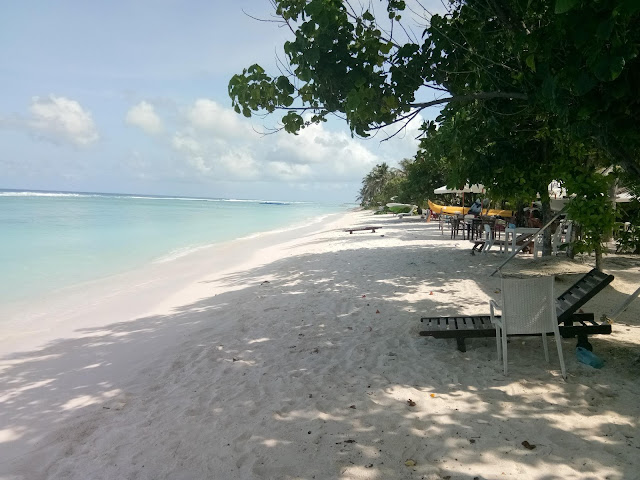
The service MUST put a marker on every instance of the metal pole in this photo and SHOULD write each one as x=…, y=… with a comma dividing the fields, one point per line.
x=622, y=307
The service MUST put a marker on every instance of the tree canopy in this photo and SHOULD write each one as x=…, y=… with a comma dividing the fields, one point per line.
x=531, y=91
x=575, y=62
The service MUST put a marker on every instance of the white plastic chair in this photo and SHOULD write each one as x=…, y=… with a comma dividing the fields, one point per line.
x=528, y=307
x=538, y=244
x=408, y=214
x=488, y=238
x=509, y=239
x=498, y=227
x=563, y=230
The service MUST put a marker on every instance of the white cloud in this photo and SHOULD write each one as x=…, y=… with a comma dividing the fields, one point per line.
x=192, y=152
x=329, y=155
x=185, y=143
x=61, y=119
x=143, y=115
x=215, y=144
x=208, y=115
x=289, y=171
x=212, y=157
x=233, y=149
x=241, y=164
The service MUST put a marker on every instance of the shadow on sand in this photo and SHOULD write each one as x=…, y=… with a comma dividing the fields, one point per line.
x=304, y=369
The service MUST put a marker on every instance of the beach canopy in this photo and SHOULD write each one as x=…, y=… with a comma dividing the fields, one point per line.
x=559, y=196
x=558, y=192
x=624, y=196
x=475, y=188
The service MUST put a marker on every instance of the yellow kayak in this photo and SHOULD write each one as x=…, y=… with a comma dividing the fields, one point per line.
x=449, y=210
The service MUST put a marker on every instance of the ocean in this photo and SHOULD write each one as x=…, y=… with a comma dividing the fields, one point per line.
x=53, y=240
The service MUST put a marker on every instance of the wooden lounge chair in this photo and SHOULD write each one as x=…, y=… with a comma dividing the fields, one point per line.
x=572, y=324
x=358, y=229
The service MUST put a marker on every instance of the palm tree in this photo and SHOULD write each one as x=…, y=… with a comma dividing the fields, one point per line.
x=373, y=184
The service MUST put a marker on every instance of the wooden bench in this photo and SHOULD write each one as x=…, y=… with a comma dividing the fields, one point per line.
x=579, y=325
x=357, y=229
x=572, y=324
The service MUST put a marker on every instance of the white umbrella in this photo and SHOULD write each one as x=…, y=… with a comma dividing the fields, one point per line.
x=475, y=188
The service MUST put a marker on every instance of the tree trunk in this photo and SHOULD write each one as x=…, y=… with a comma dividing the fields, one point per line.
x=543, y=190
x=608, y=235
x=574, y=234
x=520, y=219
x=547, y=215
x=599, y=258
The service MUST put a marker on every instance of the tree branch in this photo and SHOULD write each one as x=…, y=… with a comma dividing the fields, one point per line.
x=455, y=98
x=470, y=97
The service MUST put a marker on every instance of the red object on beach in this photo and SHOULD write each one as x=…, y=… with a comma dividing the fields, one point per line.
x=364, y=296
x=430, y=293
x=377, y=311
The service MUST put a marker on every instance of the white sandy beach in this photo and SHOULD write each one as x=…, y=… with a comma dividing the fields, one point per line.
x=294, y=355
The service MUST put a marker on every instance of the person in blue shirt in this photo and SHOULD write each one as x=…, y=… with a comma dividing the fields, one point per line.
x=476, y=208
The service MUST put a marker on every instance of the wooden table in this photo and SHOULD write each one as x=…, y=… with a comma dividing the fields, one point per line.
x=470, y=226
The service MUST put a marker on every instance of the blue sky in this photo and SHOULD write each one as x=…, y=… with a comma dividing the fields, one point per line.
x=131, y=97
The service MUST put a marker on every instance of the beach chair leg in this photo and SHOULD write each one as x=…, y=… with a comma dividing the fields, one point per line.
x=583, y=341
x=546, y=348
x=505, y=365
x=461, y=345
x=556, y=335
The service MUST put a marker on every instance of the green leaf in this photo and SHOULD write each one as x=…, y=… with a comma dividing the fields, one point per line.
x=549, y=87
x=531, y=62
x=584, y=83
x=605, y=28
x=617, y=65
x=563, y=6
x=628, y=6
x=292, y=122
x=385, y=48
x=284, y=84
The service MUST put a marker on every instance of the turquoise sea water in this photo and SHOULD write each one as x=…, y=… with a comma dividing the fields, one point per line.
x=51, y=240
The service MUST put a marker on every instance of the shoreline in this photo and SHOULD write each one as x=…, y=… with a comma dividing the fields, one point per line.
x=201, y=261
x=46, y=254
x=300, y=360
